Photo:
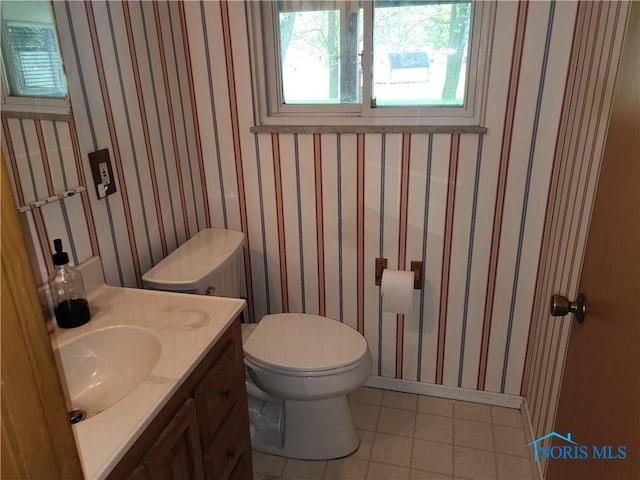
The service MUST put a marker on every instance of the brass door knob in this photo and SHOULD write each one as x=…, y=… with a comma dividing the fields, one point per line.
x=560, y=306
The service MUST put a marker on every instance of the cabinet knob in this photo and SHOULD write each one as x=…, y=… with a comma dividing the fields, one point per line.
x=226, y=393
x=231, y=453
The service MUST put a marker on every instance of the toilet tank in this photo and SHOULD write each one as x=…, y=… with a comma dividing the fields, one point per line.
x=206, y=264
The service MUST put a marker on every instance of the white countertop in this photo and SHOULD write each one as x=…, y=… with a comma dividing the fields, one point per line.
x=186, y=325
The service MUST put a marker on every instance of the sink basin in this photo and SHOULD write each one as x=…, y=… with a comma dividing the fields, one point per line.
x=103, y=366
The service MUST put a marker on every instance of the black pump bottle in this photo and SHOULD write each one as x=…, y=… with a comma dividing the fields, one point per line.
x=67, y=291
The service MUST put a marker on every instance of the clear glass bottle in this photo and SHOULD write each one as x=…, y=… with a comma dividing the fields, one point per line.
x=67, y=291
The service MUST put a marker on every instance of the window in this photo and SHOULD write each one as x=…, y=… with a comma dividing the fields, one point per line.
x=386, y=62
x=33, y=76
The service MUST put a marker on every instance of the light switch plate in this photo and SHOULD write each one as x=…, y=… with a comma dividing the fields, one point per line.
x=102, y=173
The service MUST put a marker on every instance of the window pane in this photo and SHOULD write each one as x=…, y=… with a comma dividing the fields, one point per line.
x=319, y=52
x=30, y=50
x=420, y=53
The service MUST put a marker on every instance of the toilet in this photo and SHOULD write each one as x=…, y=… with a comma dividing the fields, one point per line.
x=299, y=367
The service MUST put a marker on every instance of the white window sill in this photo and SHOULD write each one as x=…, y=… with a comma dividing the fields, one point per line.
x=368, y=129
x=35, y=108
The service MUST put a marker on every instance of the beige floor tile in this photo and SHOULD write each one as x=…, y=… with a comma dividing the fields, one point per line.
x=405, y=401
x=396, y=421
x=510, y=441
x=364, y=416
x=259, y=476
x=304, y=469
x=474, y=464
x=435, y=405
x=372, y=396
x=453, y=440
x=432, y=457
x=381, y=471
x=434, y=427
x=267, y=464
x=422, y=475
x=347, y=468
x=472, y=411
x=366, y=442
x=508, y=417
x=514, y=468
x=473, y=434
x=392, y=449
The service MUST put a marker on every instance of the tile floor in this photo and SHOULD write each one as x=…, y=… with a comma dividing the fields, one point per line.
x=408, y=436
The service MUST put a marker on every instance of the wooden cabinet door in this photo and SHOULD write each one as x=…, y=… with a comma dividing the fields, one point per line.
x=140, y=473
x=218, y=392
x=243, y=469
x=229, y=447
x=222, y=410
x=176, y=454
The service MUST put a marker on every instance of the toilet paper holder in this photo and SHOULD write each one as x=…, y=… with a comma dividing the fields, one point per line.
x=416, y=268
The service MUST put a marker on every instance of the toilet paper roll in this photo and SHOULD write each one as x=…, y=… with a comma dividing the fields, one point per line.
x=397, y=291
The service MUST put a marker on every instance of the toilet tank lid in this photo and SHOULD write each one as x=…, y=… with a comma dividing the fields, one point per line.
x=195, y=260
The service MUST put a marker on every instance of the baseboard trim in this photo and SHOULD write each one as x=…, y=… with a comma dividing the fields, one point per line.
x=443, y=391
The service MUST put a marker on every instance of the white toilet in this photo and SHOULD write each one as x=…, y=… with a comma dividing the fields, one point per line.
x=300, y=367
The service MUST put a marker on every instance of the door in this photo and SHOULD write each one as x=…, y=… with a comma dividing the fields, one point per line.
x=37, y=439
x=600, y=393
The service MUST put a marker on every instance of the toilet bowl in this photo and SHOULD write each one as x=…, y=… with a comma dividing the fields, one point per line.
x=299, y=367
x=307, y=364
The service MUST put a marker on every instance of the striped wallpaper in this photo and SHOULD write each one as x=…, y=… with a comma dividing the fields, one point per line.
x=130, y=92
x=166, y=86
x=320, y=208
x=597, y=44
x=43, y=160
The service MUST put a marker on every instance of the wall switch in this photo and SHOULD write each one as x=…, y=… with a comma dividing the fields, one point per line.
x=102, y=173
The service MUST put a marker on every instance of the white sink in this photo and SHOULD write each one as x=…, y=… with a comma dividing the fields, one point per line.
x=103, y=366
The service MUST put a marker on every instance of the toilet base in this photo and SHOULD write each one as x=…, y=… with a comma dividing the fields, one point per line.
x=314, y=430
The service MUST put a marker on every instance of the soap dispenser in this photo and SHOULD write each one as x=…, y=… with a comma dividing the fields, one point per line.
x=67, y=291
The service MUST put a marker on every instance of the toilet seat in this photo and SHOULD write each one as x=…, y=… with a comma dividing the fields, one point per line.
x=253, y=363
x=304, y=344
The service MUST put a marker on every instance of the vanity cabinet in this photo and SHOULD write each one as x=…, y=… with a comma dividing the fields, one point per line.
x=203, y=430
x=176, y=453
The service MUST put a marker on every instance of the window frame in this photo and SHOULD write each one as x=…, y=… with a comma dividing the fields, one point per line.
x=269, y=110
x=29, y=105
